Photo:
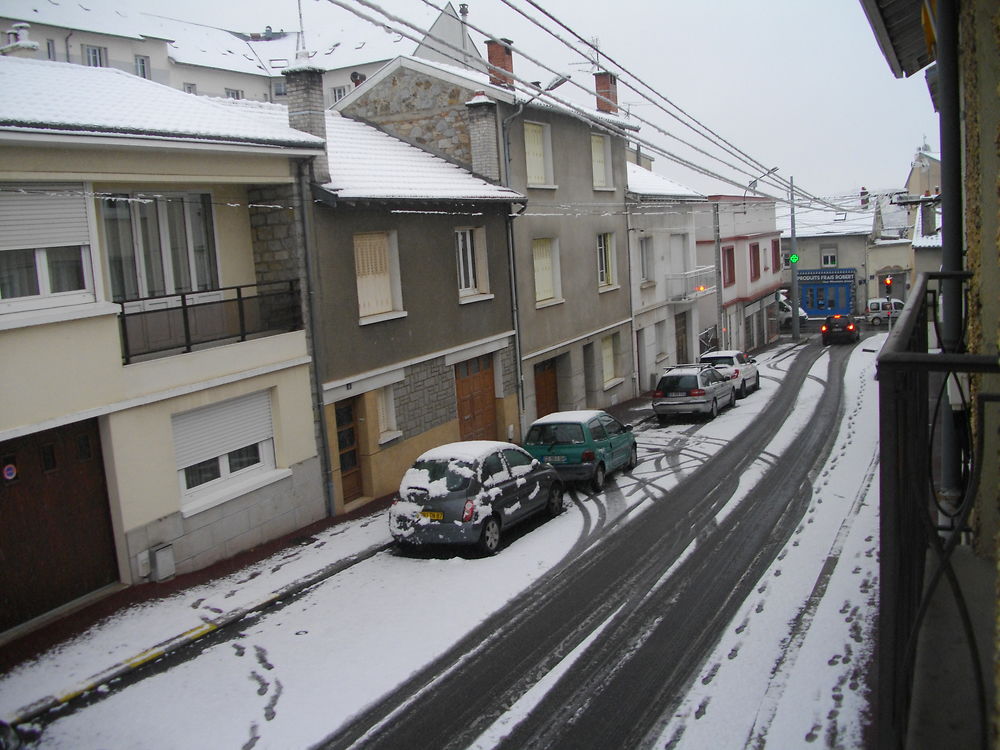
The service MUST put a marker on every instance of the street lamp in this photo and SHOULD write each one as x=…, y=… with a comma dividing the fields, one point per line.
x=752, y=185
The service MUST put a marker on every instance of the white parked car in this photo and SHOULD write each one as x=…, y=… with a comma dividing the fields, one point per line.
x=880, y=309
x=738, y=367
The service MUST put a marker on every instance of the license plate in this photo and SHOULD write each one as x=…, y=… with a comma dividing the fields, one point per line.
x=555, y=459
x=433, y=515
x=677, y=395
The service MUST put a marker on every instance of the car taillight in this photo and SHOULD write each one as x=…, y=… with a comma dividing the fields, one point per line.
x=822, y=329
x=657, y=394
x=736, y=373
x=850, y=326
x=588, y=456
x=697, y=392
x=470, y=509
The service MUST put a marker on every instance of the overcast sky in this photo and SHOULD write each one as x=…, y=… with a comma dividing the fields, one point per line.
x=795, y=84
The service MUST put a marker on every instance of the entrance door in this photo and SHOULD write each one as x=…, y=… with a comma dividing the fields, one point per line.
x=476, y=396
x=347, y=446
x=56, y=542
x=546, y=388
x=680, y=334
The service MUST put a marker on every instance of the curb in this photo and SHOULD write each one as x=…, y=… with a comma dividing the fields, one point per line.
x=40, y=706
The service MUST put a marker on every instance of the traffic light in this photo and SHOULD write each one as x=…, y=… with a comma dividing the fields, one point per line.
x=888, y=285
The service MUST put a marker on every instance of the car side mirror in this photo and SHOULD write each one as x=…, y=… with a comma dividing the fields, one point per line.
x=752, y=361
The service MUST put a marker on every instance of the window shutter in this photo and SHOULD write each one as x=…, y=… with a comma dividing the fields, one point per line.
x=542, y=253
x=48, y=215
x=214, y=430
x=534, y=153
x=597, y=156
x=371, y=259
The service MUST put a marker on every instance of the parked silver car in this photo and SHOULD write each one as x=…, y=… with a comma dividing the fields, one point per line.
x=692, y=389
x=739, y=367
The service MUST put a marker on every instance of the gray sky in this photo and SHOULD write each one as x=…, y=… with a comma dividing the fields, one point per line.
x=797, y=84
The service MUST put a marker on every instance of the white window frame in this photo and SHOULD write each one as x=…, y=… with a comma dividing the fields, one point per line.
x=234, y=93
x=215, y=433
x=280, y=87
x=46, y=297
x=549, y=270
x=606, y=261
x=828, y=256
x=370, y=311
x=388, y=430
x=600, y=158
x=472, y=264
x=143, y=68
x=94, y=56
x=191, y=88
x=647, y=260
x=610, y=346
x=50, y=49
x=337, y=93
x=538, y=166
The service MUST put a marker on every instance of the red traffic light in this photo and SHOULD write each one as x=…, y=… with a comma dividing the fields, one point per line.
x=888, y=282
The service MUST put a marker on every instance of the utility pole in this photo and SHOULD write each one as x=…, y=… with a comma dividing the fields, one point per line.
x=794, y=263
x=718, y=274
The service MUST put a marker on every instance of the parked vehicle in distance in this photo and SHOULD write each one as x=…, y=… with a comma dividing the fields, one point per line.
x=840, y=328
x=470, y=492
x=692, y=389
x=582, y=446
x=785, y=313
x=739, y=367
x=880, y=309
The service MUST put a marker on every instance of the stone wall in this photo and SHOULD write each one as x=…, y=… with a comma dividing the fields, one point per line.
x=426, y=398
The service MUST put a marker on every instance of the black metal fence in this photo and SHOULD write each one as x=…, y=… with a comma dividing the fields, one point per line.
x=177, y=323
x=912, y=378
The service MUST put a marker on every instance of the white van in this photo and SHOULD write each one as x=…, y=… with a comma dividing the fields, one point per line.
x=785, y=313
x=880, y=309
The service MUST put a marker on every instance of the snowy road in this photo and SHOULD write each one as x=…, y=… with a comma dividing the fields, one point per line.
x=640, y=617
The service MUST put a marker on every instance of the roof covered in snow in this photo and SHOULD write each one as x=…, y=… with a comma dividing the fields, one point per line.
x=932, y=239
x=645, y=182
x=823, y=221
x=55, y=97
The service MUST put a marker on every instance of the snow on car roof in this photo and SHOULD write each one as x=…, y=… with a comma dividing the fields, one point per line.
x=722, y=353
x=466, y=450
x=582, y=415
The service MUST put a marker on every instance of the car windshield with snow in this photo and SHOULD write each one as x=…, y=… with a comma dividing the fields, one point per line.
x=582, y=446
x=469, y=492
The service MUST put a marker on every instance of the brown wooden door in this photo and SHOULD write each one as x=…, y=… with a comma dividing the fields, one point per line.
x=681, y=336
x=546, y=388
x=347, y=446
x=476, y=396
x=56, y=542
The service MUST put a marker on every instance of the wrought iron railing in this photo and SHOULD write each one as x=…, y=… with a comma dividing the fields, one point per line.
x=690, y=284
x=178, y=323
x=913, y=377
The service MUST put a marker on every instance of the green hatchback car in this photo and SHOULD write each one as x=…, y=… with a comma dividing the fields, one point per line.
x=582, y=446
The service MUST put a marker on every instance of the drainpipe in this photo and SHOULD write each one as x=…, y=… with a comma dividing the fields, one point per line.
x=66, y=43
x=305, y=197
x=515, y=318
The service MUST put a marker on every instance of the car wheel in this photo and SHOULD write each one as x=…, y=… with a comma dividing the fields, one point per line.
x=715, y=409
x=876, y=321
x=633, y=458
x=597, y=481
x=554, y=506
x=743, y=389
x=756, y=382
x=489, y=539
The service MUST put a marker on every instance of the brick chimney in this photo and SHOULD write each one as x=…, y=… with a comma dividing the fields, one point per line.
x=306, y=111
x=607, y=89
x=483, y=136
x=499, y=55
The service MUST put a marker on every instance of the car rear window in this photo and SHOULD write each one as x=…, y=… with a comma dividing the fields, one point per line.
x=670, y=383
x=433, y=474
x=553, y=434
x=717, y=360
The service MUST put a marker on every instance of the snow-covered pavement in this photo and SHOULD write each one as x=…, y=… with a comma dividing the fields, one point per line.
x=787, y=670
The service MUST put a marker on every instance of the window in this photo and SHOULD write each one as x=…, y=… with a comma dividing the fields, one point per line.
x=95, y=57
x=828, y=256
x=190, y=88
x=337, y=93
x=754, y=261
x=50, y=49
x=45, y=257
x=376, y=263
x=473, y=271
x=234, y=93
x=545, y=253
x=142, y=68
x=219, y=448
x=160, y=246
x=776, y=256
x=605, y=259
x=609, y=350
x=280, y=87
x=538, y=154
x=728, y=266
x=387, y=429
x=600, y=154
x=646, y=262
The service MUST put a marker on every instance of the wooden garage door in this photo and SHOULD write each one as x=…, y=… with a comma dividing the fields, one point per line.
x=56, y=542
x=546, y=388
x=477, y=417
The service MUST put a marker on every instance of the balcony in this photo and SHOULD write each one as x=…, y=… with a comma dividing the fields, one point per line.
x=925, y=527
x=688, y=286
x=163, y=326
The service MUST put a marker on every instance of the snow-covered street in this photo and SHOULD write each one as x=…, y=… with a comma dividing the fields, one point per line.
x=788, y=672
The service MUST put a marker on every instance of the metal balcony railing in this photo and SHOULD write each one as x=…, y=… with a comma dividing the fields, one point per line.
x=913, y=379
x=690, y=284
x=162, y=326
